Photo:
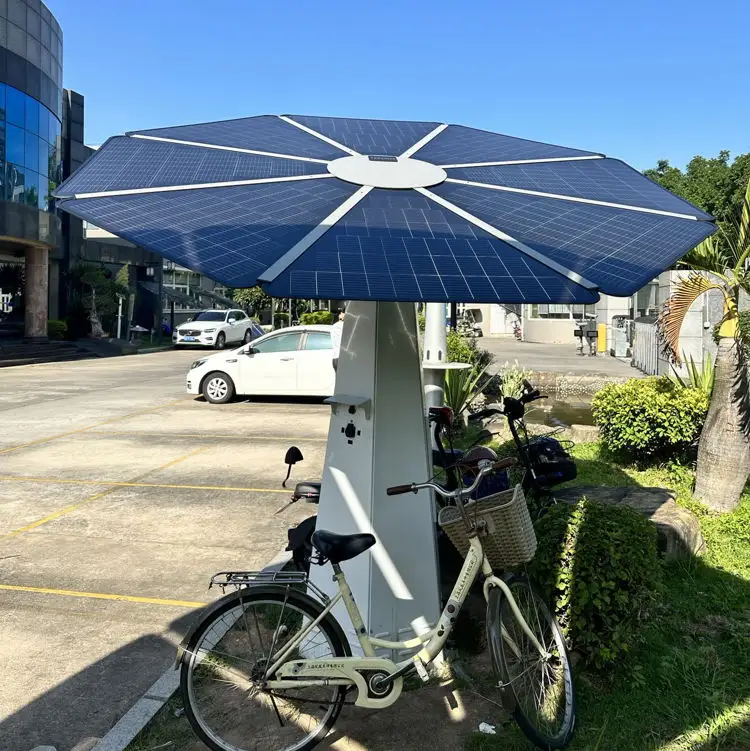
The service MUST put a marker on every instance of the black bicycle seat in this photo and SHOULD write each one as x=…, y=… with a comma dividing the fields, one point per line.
x=337, y=548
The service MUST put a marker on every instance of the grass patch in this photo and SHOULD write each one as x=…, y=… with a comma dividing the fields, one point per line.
x=686, y=685
x=167, y=732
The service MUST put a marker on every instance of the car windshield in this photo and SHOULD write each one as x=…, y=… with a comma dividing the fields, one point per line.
x=210, y=315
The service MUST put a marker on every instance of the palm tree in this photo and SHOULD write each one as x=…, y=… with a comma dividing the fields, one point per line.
x=720, y=262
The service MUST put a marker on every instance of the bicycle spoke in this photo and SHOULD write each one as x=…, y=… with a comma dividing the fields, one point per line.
x=229, y=702
x=540, y=683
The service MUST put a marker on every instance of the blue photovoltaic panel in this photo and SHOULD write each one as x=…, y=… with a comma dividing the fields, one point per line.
x=618, y=249
x=598, y=179
x=265, y=133
x=458, y=144
x=398, y=245
x=123, y=163
x=229, y=234
x=391, y=137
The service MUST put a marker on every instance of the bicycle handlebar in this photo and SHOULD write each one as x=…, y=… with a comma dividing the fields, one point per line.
x=486, y=467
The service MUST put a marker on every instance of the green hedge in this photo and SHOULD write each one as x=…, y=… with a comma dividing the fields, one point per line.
x=649, y=417
x=57, y=330
x=322, y=317
x=601, y=567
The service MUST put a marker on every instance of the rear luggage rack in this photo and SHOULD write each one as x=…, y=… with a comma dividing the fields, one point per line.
x=240, y=579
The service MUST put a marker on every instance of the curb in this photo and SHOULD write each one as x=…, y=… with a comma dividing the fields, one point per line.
x=143, y=711
x=152, y=350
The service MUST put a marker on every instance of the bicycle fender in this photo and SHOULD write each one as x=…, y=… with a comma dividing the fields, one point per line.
x=261, y=589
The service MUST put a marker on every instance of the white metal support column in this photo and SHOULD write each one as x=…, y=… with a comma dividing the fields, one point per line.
x=378, y=438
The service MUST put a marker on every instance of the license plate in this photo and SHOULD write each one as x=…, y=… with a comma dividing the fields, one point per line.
x=189, y=339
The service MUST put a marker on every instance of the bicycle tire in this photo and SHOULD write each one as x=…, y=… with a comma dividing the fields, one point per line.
x=300, y=601
x=499, y=612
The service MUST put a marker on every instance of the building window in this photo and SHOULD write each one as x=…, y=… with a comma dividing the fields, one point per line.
x=15, y=144
x=30, y=149
x=563, y=310
x=32, y=152
x=15, y=106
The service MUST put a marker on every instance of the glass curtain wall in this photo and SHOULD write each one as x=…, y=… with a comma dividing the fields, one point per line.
x=30, y=149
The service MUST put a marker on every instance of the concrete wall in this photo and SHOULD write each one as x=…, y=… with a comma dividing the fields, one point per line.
x=696, y=335
x=549, y=330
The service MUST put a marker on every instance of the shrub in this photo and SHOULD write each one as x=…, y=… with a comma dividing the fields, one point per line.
x=280, y=319
x=649, y=416
x=462, y=387
x=463, y=349
x=601, y=568
x=57, y=329
x=322, y=317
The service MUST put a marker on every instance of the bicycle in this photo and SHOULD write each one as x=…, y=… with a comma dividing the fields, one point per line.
x=273, y=651
x=545, y=459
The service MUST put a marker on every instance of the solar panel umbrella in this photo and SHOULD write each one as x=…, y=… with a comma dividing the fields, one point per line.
x=387, y=213
x=335, y=208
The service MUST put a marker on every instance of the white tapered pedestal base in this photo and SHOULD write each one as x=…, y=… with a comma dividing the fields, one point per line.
x=378, y=438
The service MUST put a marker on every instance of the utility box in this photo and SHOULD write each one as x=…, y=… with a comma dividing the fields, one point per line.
x=619, y=342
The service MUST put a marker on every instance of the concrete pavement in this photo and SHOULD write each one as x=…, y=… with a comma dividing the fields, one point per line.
x=119, y=497
x=560, y=359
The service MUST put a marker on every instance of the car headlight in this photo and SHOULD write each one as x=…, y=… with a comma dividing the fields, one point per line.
x=198, y=363
x=208, y=331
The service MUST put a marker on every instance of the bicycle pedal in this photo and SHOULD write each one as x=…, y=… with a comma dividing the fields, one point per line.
x=421, y=670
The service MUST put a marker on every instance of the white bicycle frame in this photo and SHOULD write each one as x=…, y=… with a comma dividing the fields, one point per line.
x=344, y=671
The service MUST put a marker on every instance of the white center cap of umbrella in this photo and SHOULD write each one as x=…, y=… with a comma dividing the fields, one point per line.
x=387, y=171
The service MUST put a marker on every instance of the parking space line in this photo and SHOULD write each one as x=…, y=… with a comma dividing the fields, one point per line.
x=115, y=484
x=224, y=436
x=39, y=441
x=103, y=596
x=91, y=498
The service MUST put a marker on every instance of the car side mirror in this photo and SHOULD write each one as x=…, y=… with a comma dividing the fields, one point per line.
x=250, y=351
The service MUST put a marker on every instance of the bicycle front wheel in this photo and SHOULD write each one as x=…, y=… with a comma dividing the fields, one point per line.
x=539, y=686
x=221, y=679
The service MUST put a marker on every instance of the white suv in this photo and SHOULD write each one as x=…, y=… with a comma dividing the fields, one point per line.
x=217, y=328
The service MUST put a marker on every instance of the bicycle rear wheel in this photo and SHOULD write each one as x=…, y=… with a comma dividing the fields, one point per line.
x=538, y=689
x=225, y=661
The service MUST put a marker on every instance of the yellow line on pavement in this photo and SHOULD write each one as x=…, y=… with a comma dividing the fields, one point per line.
x=91, y=498
x=114, y=484
x=39, y=441
x=238, y=436
x=103, y=596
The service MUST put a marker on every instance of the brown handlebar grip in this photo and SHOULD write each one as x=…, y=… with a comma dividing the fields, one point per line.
x=399, y=489
x=509, y=461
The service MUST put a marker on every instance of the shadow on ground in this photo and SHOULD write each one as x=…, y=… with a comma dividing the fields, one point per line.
x=89, y=703
x=684, y=687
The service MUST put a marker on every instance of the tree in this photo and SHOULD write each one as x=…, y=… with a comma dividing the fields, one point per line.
x=253, y=300
x=714, y=184
x=719, y=263
x=99, y=296
x=123, y=277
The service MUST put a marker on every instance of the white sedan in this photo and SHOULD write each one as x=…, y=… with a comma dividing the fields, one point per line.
x=216, y=328
x=296, y=361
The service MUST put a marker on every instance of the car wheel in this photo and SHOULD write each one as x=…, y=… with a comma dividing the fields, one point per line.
x=248, y=337
x=221, y=340
x=218, y=388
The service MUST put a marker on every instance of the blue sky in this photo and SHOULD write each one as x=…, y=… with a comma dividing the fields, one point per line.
x=640, y=80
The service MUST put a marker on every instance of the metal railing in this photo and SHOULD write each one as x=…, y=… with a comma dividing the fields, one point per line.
x=645, y=348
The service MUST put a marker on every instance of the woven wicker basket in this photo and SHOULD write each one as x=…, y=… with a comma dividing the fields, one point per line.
x=507, y=534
